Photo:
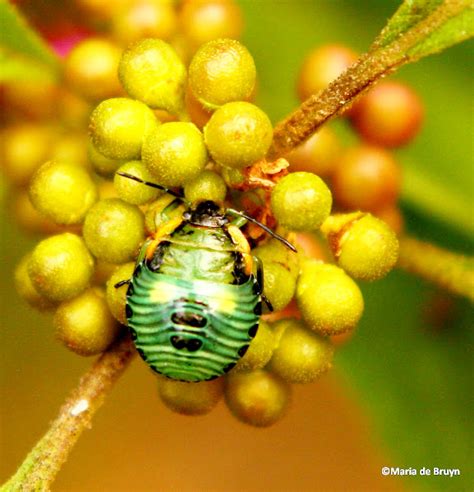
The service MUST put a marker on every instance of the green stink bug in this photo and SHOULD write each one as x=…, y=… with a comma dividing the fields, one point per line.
x=194, y=301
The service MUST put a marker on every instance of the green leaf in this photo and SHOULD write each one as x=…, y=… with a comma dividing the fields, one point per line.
x=408, y=15
x=18, y=37
x=455, y=19
x=455, y=30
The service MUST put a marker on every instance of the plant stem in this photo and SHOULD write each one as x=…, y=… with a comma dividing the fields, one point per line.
x=40, y=467
x=451, y=271
x=358, y=78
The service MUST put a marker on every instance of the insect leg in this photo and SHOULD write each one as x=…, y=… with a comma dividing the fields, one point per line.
x=259, y=265
x=122, y=282
x=242, y=245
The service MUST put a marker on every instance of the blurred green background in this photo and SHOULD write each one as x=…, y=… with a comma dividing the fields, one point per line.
x=401, y=392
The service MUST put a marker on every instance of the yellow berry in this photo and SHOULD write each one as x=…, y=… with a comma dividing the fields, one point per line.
x=257, y=398
x=363, y=245
x=63, y=192
x=61, y=267
x=222, y=71
x=84, y=324
x=152, y=72
x=190, y=398
x=119, y=126
x=260, y=350
x=175, y=153
x=90, y=69
x=113, y=230
x=25, y=288
x=329, y=300
x=301, y=356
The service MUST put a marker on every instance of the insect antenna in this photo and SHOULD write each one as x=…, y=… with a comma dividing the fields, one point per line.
x=153, y=185
x=264, y=227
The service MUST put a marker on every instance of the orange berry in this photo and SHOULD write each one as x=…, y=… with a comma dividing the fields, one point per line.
x=317, y=155
x=366, y=178
x=390, y=115
x=322, y=66
x=204, y=20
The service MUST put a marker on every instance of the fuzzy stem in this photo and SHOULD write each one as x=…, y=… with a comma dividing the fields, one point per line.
x=358, y=78
x=451, y=271
x=41, y=465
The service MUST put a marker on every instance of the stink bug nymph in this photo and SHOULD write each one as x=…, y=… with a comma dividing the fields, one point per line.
x=194, y=301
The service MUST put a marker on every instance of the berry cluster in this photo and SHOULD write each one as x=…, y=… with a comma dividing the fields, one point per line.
x=180, y=115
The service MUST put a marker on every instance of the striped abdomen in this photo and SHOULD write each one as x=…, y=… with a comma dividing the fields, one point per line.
x=191, y=330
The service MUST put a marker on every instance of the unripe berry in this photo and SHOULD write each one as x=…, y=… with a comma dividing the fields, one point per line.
x=393, y=217
x=329, y=300
x=175, y=153
x=63, y=192
x=119, y=126
x=390, y=115
x=61, y=267
x=317, y=155
x=26, y=289
x=30, y=220
x=116, y=297
x=364, y=246
x=103, y=166
x=232, y=177
x=238, y=134
x=113, y=230
x=207, y=186
x=131, y=191
x=35, y=98
x=300, y=356
x=310, y=245
x=74, y=111
x=301, y=201
x=84, y=324
x=103, y=271
x=144, y=19
x=71, y=147
x=257, y=398
x=273, y=251
x=222, y=71
x=197, y=112
x=279, y=284
x=204, y=20
x=260, y=350
x=152, y=72
x=366, y=178
x=24, y=148
x=321, y=67
x=90, y=69
x=190, y=398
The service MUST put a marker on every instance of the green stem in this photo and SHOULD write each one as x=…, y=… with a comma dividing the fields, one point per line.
x=451, y=271
x=422, y=193
x=41, y=465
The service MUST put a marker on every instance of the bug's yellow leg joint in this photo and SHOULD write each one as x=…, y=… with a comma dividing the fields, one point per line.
x=243, y=246
x=161, y=232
